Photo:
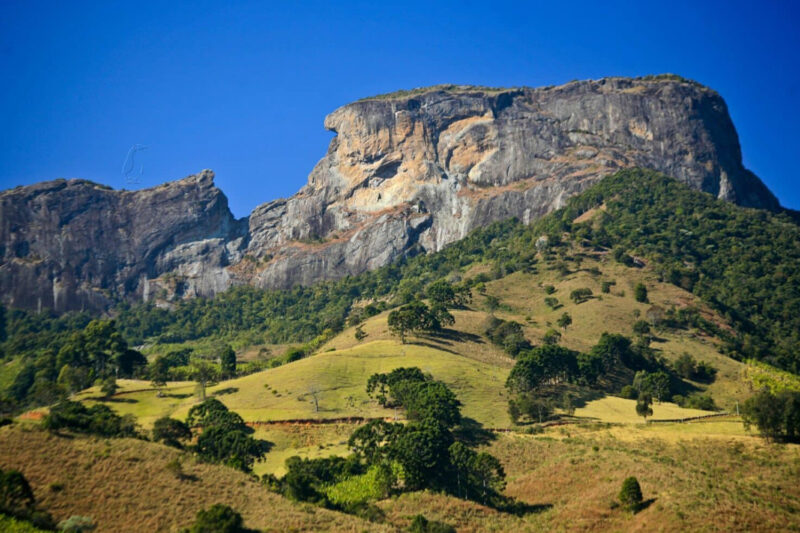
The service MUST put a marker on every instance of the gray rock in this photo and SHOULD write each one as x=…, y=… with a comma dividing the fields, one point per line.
x=408, y=172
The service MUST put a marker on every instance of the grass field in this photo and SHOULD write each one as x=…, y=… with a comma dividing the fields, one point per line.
x=124, y=485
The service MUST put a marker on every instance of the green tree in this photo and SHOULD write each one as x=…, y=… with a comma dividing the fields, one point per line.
x=218, y=518
x=159, y=373
x=360, y=334
x=492, y=303
x=205, y=374
x=170, y=431
x=551, y=337
x=630, y=495
x=640, y=292
x=564, y=321
x=643, y=405
x=777, y=416
x=16, y=496
x=109, y=386
x=227, y=361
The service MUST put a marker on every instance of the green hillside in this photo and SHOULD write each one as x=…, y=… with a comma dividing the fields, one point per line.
x=675, y=276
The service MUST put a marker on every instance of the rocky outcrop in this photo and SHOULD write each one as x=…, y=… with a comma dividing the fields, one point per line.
x=407, y=172
x=73, y=244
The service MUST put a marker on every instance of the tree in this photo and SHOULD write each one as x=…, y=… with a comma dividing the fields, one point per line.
x=218, y=518
x=227, y=361
x=643, y=405
x=580, y=295
x=630, y=496
x=159, y=373
x=489, y=473
x=552, y=302
x=551, y=337
x=777, y=416
x=170, y=431
x=641, y=327
x=360, y=334
x=109, y=386
x=205, y=374
x=401, y=321
x=564, y=321
x=16, y=496
x=640, y=292
x=492, y=303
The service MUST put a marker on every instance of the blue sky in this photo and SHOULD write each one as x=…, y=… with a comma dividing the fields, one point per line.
x=243, y=87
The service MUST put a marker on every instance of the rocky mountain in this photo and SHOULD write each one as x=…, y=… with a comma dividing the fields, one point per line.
x=407, y=172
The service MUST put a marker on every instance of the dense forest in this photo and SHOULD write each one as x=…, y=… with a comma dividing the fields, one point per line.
x=744, y=263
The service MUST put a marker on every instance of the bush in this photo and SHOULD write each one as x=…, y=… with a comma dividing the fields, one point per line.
x=630, y=496
x=628, y=392
x=420, y=524
x=640, y=293
x=777, y=416
x=170, y=431
x=218, y=518
x=77, y=524
x=95, y=420
x=580, y=295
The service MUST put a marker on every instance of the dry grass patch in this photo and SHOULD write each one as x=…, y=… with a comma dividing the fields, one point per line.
x=124, y=485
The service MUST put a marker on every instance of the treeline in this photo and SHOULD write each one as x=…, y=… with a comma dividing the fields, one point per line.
x=550, y=376
x=745, y=263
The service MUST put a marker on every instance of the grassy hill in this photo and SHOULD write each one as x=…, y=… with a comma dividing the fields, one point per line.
x=122, y=483
x=709, y=474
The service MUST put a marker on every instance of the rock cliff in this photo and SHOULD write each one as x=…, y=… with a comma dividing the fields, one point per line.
x=406, y=172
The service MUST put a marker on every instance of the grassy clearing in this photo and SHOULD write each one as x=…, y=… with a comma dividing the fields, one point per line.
x=308, y=441
x=123, y=484
x=621, y=411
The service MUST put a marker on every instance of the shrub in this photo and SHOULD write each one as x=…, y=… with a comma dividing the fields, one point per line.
x=77, y=524
x=420, y=524
x=777, y=416
x=580, y=295
x=640, y=293
x=630, y=496
x=218, y=518
x=170, y=431
x=628, y=392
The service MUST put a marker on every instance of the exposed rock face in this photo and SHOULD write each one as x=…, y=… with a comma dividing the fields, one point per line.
x=417, y=171
x=71, y=245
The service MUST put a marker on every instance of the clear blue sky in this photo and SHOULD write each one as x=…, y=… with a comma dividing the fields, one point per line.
x=243, y=88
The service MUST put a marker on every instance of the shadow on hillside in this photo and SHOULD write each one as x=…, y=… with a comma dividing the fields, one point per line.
x=431, y=345
x=458, y=336
x=176, y=395
x=519, y=508
x=227, y=390
x=118, y=400
x=644, y=505
x=472, y=433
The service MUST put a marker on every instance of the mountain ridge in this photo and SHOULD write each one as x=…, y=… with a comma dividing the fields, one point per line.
x=403, y=175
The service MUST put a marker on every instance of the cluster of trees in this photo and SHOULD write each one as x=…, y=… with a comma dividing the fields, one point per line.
x=507, y=334
x=392, y=457
x=776, y=415
x=96, y=354
x=224, y=437
x=417, y=317
x=17, y=500
x=540, y=375
x=95, y=420
x=688, y=367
